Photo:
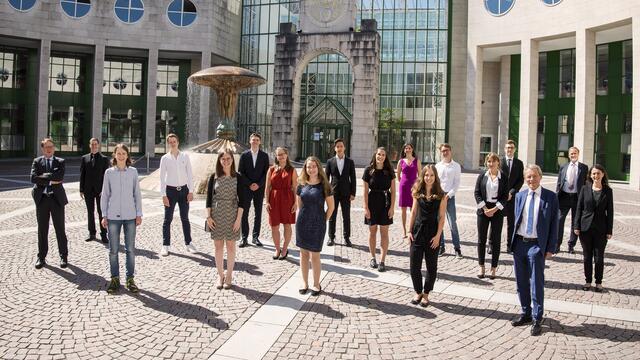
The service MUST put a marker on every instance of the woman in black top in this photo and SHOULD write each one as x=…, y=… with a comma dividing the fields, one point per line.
x=426, y=223
x=594, y=223
x=379, y=200
x=492, y=192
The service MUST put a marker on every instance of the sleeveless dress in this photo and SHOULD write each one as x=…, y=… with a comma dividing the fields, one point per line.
x=409, y=175
x=224, y=207
x=379, y=196
x=281, y=198
x=311, y=225
x=426, y=224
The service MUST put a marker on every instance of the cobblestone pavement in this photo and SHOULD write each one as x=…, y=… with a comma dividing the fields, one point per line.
x=67, y=314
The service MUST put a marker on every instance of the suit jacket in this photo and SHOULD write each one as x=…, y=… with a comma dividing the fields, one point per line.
x=582, y=176
x=342, y=185
x=253, y=174
x=516, y=176
x=41, y=178
x=480, y=192
x=548, y=214
x=589, y=216
x=92, y=176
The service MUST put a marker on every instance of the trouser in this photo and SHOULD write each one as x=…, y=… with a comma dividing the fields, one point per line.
x=567, y=202
x=92, y=202
x=49, y=207
x=496, y=222
x=416, y=254
x=528, y=265
x=257, y=197
x=345, y=205
x=451, y=219
x=129, y=246
x=593, y=244
x=180, y=198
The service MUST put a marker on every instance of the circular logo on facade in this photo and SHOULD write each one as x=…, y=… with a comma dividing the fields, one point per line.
x=325, y=12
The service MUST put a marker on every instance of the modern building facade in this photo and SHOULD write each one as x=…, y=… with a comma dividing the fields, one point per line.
x=115, y=70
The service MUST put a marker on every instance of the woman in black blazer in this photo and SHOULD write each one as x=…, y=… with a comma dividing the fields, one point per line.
x=492, y=192
x=594, y=223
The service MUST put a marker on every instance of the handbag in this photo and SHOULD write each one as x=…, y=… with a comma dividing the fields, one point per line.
x=213, y=186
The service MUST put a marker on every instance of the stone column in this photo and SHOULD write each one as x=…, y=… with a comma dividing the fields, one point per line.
x=505, y=91
x=634, y=175
x=528, y=101
x=203, y=121
x=96, y=92
x=150, y=123
x=42, y=112
x=473, y=123
x=584, y=120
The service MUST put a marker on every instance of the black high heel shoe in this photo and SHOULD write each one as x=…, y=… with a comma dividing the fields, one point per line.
x=276, y=257
x=282, y=257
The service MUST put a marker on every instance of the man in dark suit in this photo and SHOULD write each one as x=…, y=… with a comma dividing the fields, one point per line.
x=514, y=169
x=534, y=240
x=253, y=167
x=92, y=168
x=571, y=178
x=341, y=172
x=47, y=174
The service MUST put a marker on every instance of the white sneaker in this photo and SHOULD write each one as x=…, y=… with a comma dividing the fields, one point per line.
x=165, y=250
x=191, y=248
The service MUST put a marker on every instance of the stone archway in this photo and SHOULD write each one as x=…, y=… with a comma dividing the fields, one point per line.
x=295, y=50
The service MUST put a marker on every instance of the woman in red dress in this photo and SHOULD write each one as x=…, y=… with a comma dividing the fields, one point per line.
x=280, y=194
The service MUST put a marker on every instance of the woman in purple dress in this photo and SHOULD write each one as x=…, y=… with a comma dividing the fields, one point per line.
x=407, y=173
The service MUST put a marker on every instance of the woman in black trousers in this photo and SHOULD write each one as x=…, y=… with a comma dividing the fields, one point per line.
x=492, y=192
x=426, y=223
x=594, y=223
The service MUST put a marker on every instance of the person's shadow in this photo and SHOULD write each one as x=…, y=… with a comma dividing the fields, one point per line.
x=209, y=261
x=386, y=307
x=83, y=279
x=262, y=297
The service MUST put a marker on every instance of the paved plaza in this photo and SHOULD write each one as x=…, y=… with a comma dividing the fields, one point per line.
x=56, y=313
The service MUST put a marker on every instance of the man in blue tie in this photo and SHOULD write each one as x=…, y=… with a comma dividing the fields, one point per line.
x=535, y=239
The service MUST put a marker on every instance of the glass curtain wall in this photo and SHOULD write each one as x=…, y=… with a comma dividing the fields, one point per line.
x=13, y=106
x=170, y=102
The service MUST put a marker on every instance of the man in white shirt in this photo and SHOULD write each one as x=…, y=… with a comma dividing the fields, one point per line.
x=449, y=173
x=176, y=186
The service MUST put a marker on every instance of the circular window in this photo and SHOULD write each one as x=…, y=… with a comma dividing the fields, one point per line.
x=76, y=8
x=129, y=11
x=498, y=7
x=22, y=5
x=551, y=2
x=181, y=12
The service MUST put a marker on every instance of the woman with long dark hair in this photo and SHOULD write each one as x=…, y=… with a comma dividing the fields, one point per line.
x=408, y=168
x=594, y=223
x=379, y=200
x=280, y=200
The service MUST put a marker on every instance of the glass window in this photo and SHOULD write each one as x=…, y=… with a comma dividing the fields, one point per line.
x=602, y=69
x=65, y=127
x=168, y=80
x=76, y=8
x=129, y=11
x=13, y=70
x=122, y=125
x=565, y=138
x=625, y=143
x=540, y=140
x=22, y=5
x=567, y=73
x=551, y=2
x=542, y=75
x=627, y=67
x=65, y=75
x=498, y=7
x=122, y=78
x=485, y=148
x=181, y=12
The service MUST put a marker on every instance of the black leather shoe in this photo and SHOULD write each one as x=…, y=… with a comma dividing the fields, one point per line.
x=348, y=243
x=63, y=262
x=256, y=242
x=91, y=238
x=536, y=329
x=40, y=263
x=104, y=239
x=522, y=320
x=283, y=257
x=571, y=250
x=489, y=251
x=331, y=242
x=243, y=243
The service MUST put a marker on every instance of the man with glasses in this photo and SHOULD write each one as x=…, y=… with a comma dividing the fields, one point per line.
x=449, y=173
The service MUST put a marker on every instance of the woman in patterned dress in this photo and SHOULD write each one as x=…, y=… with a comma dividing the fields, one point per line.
x=408, y=167
x=313, y=191
x=224, y=213
x=280, y=200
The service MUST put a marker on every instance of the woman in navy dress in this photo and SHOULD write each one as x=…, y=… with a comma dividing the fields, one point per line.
x=379, y=199
x=312, y=193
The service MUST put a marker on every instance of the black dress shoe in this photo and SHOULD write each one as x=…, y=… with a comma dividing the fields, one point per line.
x=104, y=239
x=243, y=243
x=91, y=238
x=522, y=320
x=489, y=251
x=536, y=329
x=256, y=242
x=40, y=263
x=331, y=242
x=283, y=257
x=63, y=262
x=348, y=243
x=571, y=250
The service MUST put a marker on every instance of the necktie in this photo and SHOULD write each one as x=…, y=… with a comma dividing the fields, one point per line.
x=509, y=164
x=48, y=188
x=93, y=160
x=530, y=215
x=571, y=176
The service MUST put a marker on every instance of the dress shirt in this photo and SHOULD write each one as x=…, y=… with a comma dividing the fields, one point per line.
x=340, y=163
x=121, y=198
x=522, y=229
x=449, y=174
x=175, y=171
x=254, y=156
x=492, y=189
x=573, y=168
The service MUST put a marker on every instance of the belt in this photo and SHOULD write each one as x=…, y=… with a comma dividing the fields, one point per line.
x=528, y=240
x=178, y=188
